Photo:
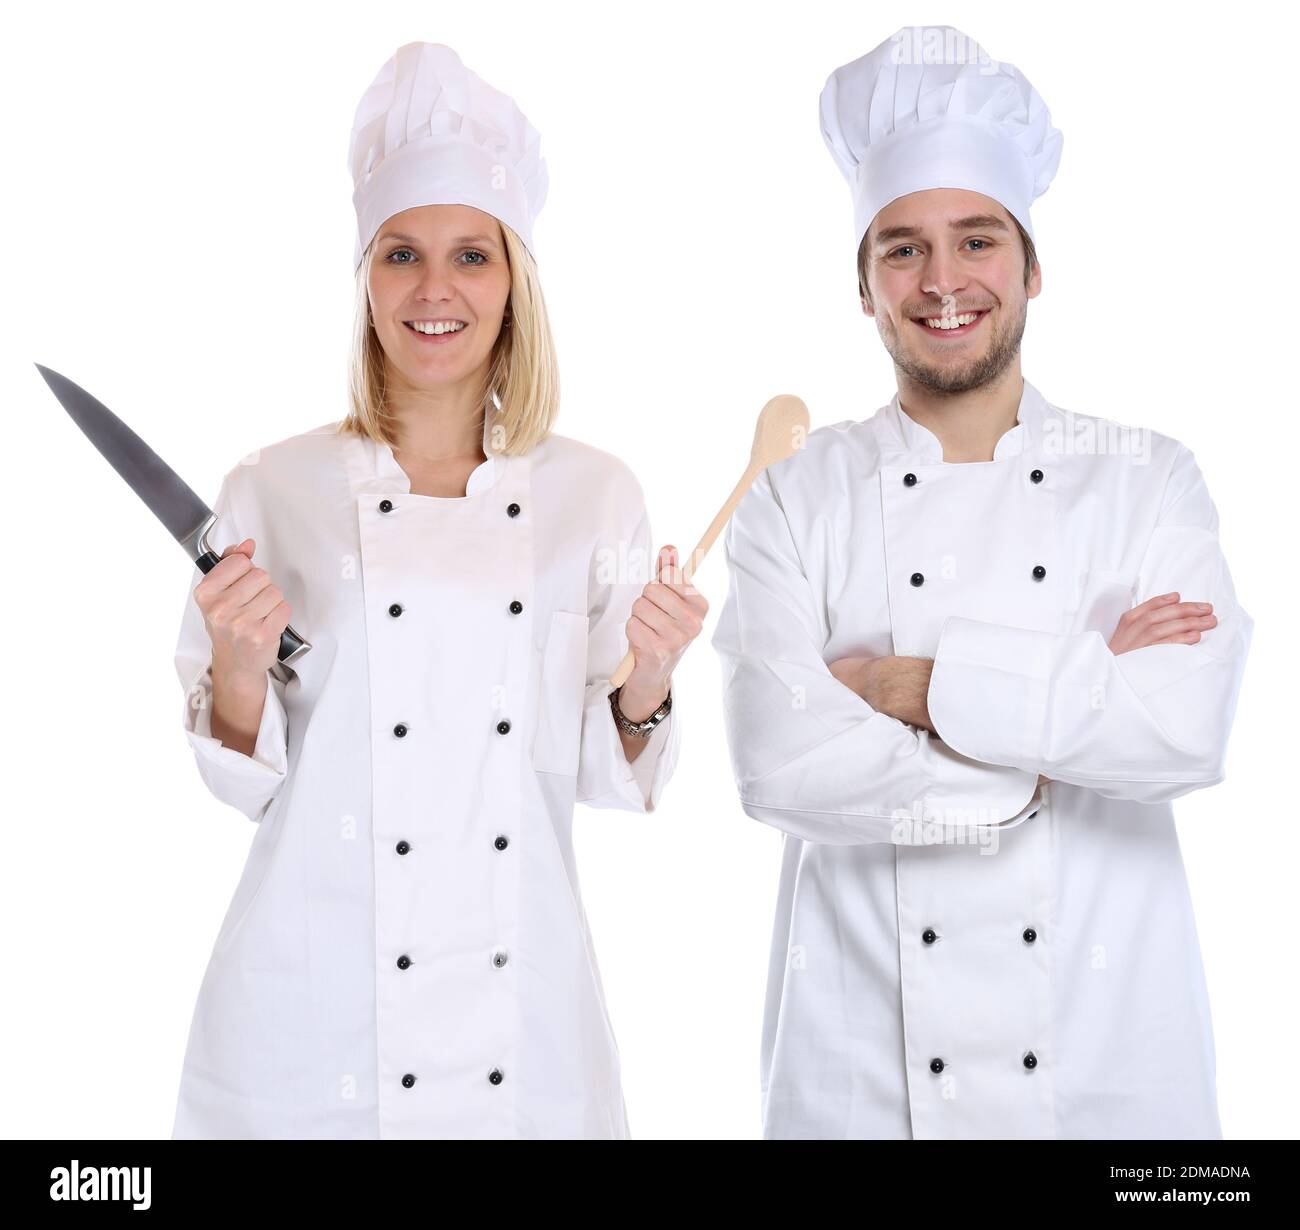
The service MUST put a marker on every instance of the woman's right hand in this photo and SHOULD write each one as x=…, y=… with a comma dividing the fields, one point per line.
x=1162, y=620
x=244, y=614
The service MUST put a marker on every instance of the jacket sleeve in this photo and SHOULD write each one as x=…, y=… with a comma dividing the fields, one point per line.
x=809, y=755
x=1147, y=725
x=620, y=569
x=248, y=783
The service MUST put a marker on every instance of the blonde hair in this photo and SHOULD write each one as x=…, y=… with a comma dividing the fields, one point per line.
x=523, y=377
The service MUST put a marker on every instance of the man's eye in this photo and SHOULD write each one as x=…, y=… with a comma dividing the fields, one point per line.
x=906, y=248
x=979, y=241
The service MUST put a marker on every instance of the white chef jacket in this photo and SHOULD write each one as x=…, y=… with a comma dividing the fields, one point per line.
x=957, y=952
x=406, y=953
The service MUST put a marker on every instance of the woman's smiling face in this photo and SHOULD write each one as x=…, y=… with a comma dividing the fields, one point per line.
x=444, y=268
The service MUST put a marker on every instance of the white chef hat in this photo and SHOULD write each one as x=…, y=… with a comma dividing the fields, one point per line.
x=928, y=108
x=430, y=132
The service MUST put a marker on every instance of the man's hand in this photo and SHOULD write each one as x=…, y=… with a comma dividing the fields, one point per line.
x=896, y=686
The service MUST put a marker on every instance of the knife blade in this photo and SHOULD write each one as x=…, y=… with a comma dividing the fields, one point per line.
x=187, y=518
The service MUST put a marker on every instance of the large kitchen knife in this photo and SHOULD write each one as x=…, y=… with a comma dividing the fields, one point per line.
x=186, y=517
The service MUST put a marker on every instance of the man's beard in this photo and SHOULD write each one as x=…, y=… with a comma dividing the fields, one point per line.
x=956, y=377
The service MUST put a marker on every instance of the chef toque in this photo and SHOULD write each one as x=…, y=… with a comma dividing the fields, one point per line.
x=430, y=132
x=929, y=108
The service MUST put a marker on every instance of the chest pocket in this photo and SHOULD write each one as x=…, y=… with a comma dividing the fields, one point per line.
x=563, y=693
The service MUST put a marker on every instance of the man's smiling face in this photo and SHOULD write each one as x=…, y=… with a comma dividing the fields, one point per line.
x=945, y=278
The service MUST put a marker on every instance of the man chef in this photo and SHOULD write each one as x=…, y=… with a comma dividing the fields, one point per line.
x=973, y=648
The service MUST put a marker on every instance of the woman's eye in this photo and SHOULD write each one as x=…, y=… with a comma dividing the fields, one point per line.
x=398, y=252
x=482, y=259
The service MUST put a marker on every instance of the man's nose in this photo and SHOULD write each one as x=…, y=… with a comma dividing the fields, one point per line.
x=942, y=275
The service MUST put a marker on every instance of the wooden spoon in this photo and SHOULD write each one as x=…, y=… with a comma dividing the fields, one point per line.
x=781, y=430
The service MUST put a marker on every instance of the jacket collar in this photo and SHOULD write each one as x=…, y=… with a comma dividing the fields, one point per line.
x=919, y=443
x=373, y=468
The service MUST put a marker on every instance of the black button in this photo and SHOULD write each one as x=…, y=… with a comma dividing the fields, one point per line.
x=918, y=579
x=503, y=727
x=1039, y=572
x=1031, y=1061
x=395, y=610
x=400, y=730
x=403, y=962
x=1035, y=476
x=495, y=1077
x=501, y=842
x=499, y=959
x=909, y=480
x=1029, y=935
x=408, y=1080
x=516, y=606
x=403, y=847
x=928, y=935
x=936, y=1066
x=512, y=509
x=387, y=506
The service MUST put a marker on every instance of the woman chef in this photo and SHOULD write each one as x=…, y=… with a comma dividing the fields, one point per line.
x=406, y=954
x=962, y=679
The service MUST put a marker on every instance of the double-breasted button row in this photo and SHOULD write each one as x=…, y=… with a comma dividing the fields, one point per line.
x=397, y=608
x=930, y=935
x=1030, y=1062
x=402, y=729
x=501, y=841
x=495, y=1077
x=1038, y=573
x=910, y=479
x=499, y=958
x=512, y=509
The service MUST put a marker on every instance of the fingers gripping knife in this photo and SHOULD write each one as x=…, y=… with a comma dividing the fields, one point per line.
x=186, y=517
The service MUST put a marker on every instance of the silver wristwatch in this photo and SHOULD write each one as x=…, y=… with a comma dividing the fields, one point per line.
x=640, y=730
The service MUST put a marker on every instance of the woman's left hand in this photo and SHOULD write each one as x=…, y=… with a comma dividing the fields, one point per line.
x=665, y=619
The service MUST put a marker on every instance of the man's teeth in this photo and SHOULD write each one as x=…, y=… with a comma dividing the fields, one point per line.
x=440, y=326
x=951, y=322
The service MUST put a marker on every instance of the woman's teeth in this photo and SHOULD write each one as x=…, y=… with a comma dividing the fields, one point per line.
x=952, y=322
x=440, y=327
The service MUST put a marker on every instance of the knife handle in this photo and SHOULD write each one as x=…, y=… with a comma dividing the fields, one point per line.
x=292, y=646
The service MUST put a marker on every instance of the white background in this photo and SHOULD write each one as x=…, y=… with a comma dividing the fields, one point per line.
x=179, y=229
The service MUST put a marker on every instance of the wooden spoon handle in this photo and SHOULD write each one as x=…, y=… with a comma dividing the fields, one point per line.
x=697, y=556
